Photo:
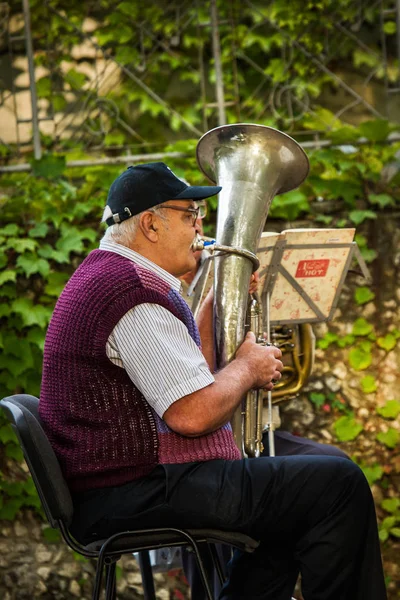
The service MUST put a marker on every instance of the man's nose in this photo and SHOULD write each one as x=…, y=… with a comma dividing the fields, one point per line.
x=198, y=226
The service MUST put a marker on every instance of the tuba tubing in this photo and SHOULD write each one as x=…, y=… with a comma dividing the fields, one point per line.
x=252, y=163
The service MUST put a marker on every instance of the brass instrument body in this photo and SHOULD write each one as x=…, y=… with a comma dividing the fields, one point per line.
x=252, y=163
x=297, y=343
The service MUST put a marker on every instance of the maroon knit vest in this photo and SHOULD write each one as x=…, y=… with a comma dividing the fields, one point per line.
x=103, y=431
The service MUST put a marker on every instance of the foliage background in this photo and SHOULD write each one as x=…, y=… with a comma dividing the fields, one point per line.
x=49, y=217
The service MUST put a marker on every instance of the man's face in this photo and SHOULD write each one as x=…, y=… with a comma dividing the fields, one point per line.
x=177, y=231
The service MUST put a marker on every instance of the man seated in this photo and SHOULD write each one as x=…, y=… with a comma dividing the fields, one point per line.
x=140, y=422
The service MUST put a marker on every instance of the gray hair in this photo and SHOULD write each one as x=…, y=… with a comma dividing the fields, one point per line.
x=125, y=232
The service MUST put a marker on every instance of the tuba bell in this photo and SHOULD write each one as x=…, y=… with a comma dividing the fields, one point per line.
x=252, y=163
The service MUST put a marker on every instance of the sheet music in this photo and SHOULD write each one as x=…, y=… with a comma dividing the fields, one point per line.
x=304, y=269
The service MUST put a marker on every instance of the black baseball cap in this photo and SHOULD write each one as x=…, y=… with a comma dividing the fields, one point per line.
x=143, y=186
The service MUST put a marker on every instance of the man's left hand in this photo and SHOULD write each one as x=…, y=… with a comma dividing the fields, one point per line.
x=254, y=281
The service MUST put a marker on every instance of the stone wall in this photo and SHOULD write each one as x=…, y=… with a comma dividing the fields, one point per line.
x=30, y=568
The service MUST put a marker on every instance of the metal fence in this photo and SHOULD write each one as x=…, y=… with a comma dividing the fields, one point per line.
x=44, y=102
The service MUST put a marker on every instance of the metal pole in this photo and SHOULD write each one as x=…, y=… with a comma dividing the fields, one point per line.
x=219, y=81
x=398, y=40
x=111, y=160
x=37, y=149
x=271, y=439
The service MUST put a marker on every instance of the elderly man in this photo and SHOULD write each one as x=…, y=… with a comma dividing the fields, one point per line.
x=140, y=423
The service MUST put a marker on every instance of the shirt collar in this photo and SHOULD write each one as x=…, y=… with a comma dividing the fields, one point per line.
x=111, y=246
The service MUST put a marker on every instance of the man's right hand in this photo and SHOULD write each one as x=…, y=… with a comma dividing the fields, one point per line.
x=262, y=361
x=203, y=411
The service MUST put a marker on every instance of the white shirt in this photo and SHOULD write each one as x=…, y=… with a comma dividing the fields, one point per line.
x=154, y=347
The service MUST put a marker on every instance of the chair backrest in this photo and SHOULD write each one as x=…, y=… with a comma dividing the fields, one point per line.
x=22, y=411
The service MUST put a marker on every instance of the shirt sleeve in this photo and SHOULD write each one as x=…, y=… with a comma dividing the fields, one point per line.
x=159, y=355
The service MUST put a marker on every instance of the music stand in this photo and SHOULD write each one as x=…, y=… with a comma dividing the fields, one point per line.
x=302, y=272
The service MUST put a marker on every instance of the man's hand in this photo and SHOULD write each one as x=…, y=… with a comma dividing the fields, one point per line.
x=262, y=361
x=254, y=281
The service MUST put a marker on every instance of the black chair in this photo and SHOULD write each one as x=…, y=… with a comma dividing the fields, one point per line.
x=22, y=412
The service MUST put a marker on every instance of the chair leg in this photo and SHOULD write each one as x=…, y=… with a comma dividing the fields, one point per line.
x=202, y=571
x=147, y=575
x=216, y=562
x=110, y=581
x=98, y=578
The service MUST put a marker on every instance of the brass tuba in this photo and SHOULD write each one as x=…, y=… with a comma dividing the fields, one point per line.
x=252, y=163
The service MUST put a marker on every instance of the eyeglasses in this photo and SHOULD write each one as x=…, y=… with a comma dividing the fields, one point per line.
x=196, y=213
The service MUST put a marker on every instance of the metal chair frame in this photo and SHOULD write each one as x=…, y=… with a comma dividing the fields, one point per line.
x=22, y=412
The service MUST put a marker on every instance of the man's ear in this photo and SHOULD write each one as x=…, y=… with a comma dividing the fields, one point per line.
x=148, y=227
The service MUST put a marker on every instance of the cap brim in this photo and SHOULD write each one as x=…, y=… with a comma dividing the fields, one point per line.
x=198, y=192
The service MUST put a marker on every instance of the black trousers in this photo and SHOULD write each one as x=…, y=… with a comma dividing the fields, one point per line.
x=286, y=444
x=313, y=515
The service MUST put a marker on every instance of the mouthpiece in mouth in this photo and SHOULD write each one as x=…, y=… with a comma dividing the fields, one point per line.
x=197, y=244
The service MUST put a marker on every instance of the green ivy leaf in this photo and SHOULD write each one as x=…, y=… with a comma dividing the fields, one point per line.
x=71, y=240
x=10, y=230
x=16, y=366
x=361, y=57
x=390, y=410
x=363, y=295
x=21, y=245
x=358, y=216
x=55, y=283
x=33, y=501
x=368, y=254
x=40, y=230
x=5, y=309
x=325, y=219
x=289, y=206
x=359, y=360
x=317, y=398
x=382, y=200
x=389, y=438
x=75, y=79
x=347, y=428
x=390, y=27
x=7, y=275
x=52, y=536
x=368, y=384
x=46, y=251
x=10, y=509
x=391, y=504
x=31, y=314
x=36, y=337
x=322, y=118
x=347, y=340
x=373, y=473
x=328, y=339
x=375, y=131
x=7, y=434
x=12, y=488
x=30, y=264
x=43, y=87
x=395, y=531
x=365, y=345
x=361, y=327
x=387, y=343
x=383, y=535
x=388, y=522
x=59, y=103
x=49, y=166
x=344, y=135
